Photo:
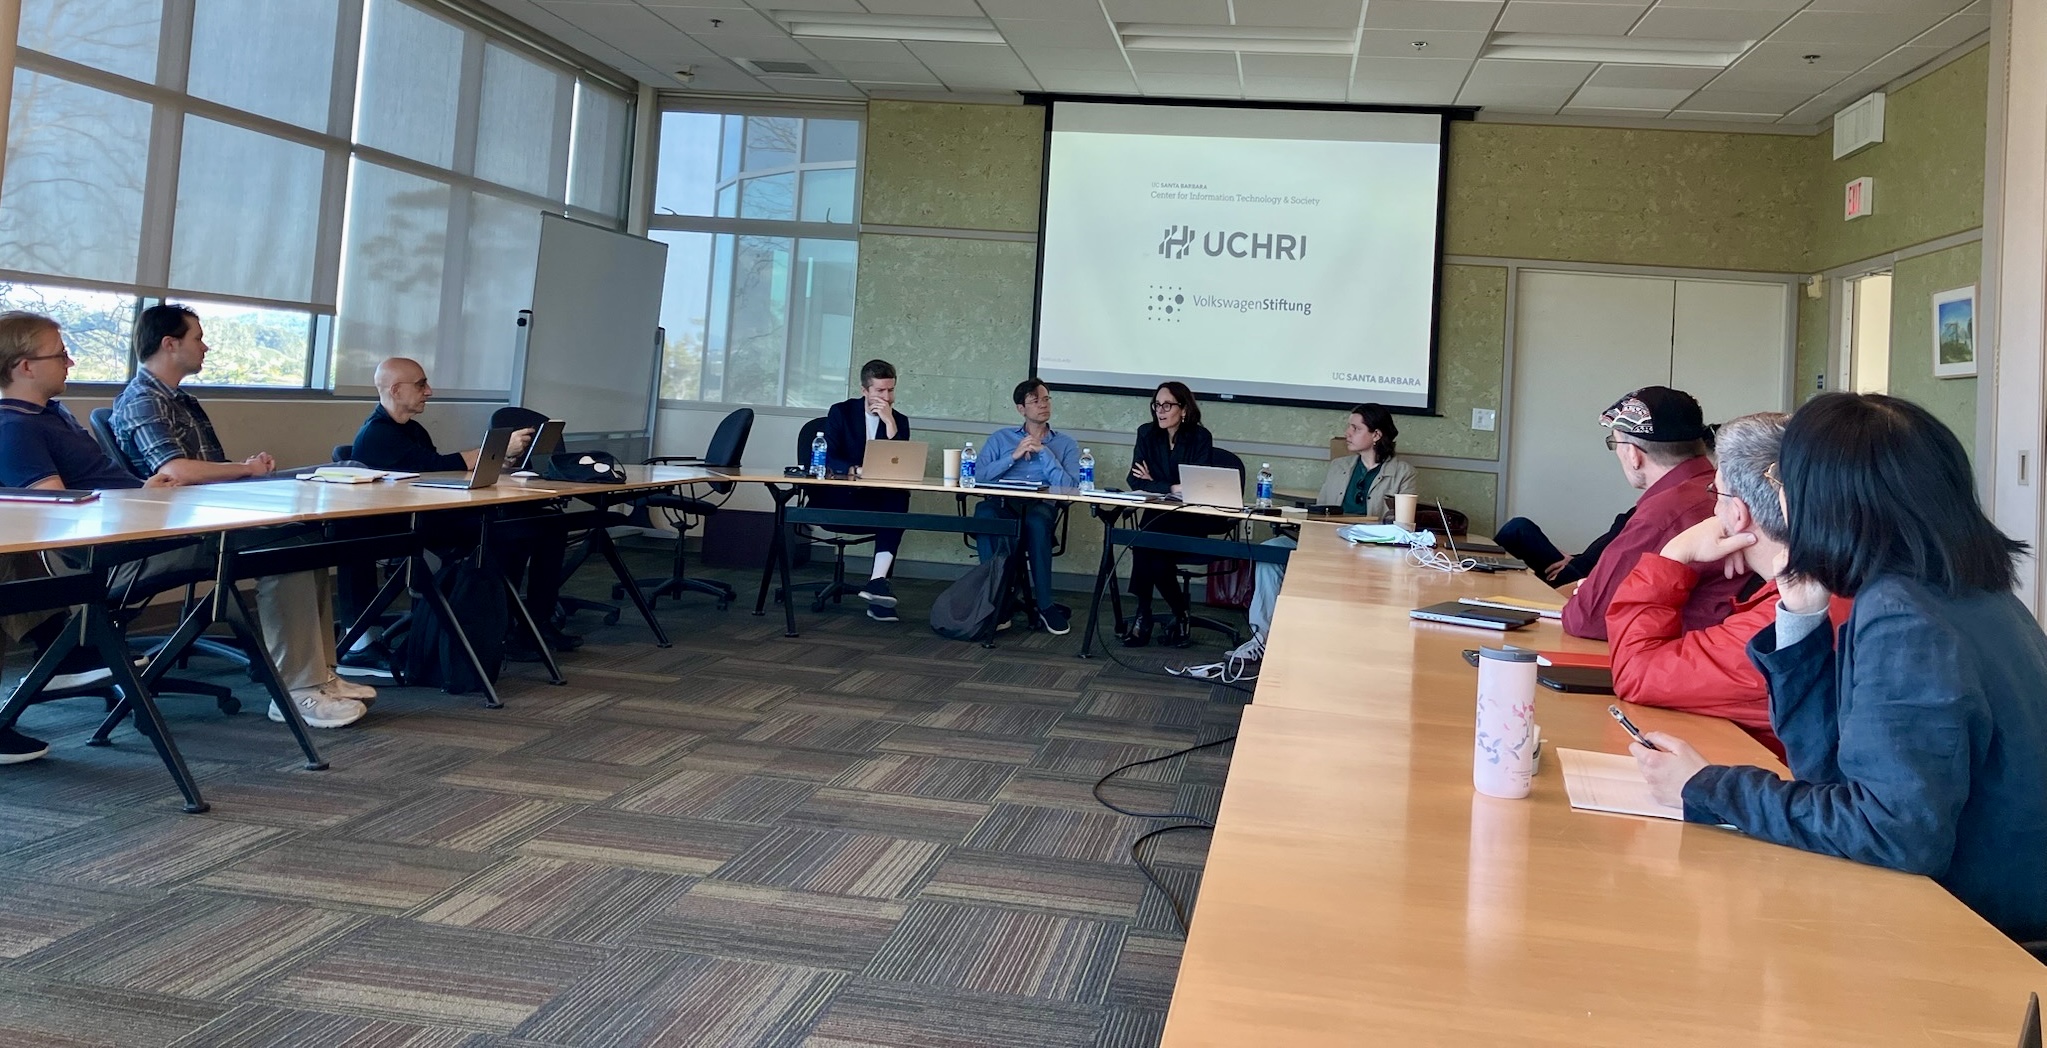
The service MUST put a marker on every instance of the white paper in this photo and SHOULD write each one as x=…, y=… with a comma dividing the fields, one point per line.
x=1611, y=782
x=354, y=475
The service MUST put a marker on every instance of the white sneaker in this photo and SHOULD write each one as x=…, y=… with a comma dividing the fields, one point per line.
x=321, y=708
x=348, y=689
x=1250, y=651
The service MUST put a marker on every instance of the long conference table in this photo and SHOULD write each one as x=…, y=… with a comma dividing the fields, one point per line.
x=1358, y=891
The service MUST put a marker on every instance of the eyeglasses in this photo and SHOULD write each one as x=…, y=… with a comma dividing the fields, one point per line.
x=1612, y=442
x=1770, y=474
x=1163, y=405
x=64, y=356
x=1719, y=494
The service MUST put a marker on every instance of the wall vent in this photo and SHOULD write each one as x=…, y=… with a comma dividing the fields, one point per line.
x=1860, y=125
x=770, y=67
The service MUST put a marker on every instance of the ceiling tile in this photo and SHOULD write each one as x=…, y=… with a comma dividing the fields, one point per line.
x=1199, y=63
x=1178, y=12
x=1955, y=31
x=1083, y=82
x=910, y=72
x=966, y=58
x=1401, y=92
x=946, y=8
x=1887, y=7
x=1669, y=77
x=1745, y=77
x=1614, y=111
x=1819, y=110
x=1657, y=98
x=1296, y=89
x=697, y=21
x=857, y=50
x=723, y=77
x=1719, y=101
x=1495, y=76
x=812, y=87
x=1043, y=9
x=1077, y=59
x=1847, y=27
x=1321, y=14
x=774, y=48
x=1399, y=43
x=1172, y=84
x=835, y=5
x=1839, y=58
x=1665, y=22
x=1094, y=32
x=1726, y=118
x=1415, y=70
x=1543, y=16
x=1528, y=96
x=1432, y=14
x=1904, y=60
x=1336, y=67
x=1785, y=6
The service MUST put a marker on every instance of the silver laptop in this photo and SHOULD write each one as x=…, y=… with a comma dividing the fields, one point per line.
x=1212, y=486
x=895, y=460
x=488, y=462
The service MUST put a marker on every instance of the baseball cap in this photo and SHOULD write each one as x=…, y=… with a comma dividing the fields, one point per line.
x=1656, y=413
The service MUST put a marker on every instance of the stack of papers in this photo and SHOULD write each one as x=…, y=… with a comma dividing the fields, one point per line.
x=354, y=475
x=1549, y=609
x=1611, y=782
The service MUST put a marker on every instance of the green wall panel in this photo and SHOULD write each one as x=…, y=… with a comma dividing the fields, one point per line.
x=1928, y=169
x=1952, y=400
x=954, y=316
x=1704, y=200
x=951, y=166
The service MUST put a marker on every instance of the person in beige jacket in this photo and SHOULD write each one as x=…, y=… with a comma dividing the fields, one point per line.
x=1362, y=483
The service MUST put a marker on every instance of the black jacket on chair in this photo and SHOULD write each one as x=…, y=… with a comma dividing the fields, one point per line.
x=845, y=434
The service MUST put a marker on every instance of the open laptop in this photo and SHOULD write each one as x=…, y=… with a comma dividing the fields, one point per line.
x=895, y=460
x=488, y=462
x=1212, y=486
x=544, y=444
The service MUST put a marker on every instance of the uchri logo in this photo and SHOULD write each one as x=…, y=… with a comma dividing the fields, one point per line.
x=1176, y=242
x=1235, y=243
x=1165, y=303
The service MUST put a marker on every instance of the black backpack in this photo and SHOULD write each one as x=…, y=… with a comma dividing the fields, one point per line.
x=432, y=654
x=971, y=606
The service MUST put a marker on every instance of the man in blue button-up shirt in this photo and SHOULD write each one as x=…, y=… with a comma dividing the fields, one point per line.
x=1032, y=452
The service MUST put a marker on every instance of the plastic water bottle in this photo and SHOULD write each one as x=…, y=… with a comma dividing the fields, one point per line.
x=1265, y=486
x=967, y=465
x=817, y=448
x=1087, y=470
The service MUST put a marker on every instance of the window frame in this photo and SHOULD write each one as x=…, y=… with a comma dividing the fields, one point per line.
x=794, y=230
x=171, y=103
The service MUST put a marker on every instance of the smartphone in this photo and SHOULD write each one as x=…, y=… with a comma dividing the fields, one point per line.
x=1577, y=680
x=1629, y=726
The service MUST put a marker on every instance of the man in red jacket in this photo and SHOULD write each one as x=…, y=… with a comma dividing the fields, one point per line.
x=1657, y=661
x=1658, y=434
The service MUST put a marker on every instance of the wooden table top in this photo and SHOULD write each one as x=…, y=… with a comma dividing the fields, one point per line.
x=117, y=516
x=1359, y=891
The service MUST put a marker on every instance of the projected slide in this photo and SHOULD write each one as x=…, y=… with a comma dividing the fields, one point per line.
x=1279, y=254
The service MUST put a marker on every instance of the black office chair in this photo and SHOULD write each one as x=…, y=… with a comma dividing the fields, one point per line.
x=101, y=422
x=684, y=512
x=344, y=452
x=1187, y=573
x=840, y=540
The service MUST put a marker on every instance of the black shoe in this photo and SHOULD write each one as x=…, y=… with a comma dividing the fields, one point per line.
x=882, y=613
x=16, y=748
x=519, y=648
x=1054, y=621
x=366, y=658
x=1138, y=633
x=559, y=639
x=1179, y=633
x=877, y=591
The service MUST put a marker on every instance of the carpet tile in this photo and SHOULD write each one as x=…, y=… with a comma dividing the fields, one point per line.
x=750, y=922
x=867, y=837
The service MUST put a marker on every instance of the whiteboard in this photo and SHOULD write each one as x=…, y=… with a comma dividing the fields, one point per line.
x=592, y=353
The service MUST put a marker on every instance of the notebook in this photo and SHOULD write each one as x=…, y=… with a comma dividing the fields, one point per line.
x=1457, y=613
x=1611, y=782
x=354, y=475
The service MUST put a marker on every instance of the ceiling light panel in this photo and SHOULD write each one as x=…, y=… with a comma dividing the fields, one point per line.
x=1633, y=50
x=1180, y=12
x=1691, y=23
x=1399, y=43
x=1324, y=14
x=842, y=26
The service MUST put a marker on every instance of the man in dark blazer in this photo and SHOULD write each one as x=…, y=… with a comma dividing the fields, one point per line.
x=849, y=425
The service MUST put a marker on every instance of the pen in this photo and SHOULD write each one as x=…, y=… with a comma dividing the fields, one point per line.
x=1633, y=732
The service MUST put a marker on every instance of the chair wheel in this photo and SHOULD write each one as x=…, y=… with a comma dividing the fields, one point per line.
x=230, y=706
x=611, y=618
x=723, y=604
x=618, y=593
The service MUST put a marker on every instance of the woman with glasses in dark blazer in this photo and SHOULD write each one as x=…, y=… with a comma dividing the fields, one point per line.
x=1173, y=438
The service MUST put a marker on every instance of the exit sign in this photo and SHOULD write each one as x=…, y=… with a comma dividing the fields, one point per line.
x=1860, y=199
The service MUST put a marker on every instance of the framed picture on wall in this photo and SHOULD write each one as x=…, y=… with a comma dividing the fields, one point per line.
x=1954, y=333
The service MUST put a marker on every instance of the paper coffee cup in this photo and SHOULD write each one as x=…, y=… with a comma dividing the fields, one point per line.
x=1403, y=510
x=1503, y=749
x=952, y=465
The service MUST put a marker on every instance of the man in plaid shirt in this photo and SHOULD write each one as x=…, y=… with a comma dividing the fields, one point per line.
x=162, y=429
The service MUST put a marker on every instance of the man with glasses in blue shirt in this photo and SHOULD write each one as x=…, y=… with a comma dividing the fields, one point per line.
x=1034, y=453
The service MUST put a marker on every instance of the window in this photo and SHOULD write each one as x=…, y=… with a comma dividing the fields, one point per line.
x=758, y=211
x=399, y=188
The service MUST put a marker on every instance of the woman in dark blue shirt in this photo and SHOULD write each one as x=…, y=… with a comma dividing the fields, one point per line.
x=1175, y=437
x=1917, y=736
